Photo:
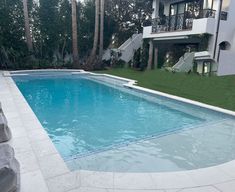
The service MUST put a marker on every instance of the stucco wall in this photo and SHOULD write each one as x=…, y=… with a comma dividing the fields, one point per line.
x=209, y=26
x=227, y=33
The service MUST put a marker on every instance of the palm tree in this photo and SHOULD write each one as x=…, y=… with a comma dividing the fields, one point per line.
x=91, y=59
x=101, y=48
x=27, y=29
x=74, y=34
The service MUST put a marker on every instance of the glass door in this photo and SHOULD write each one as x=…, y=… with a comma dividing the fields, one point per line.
x=180, y=23
x=183, y=13
x=177, y=16
x=173, y=14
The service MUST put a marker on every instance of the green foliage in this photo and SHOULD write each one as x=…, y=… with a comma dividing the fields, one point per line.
x=12, y=42
x=119, y=64
x=86, y=23
x=136, y=59
x=144, y=55
x=51, y=27
x=129, y=16
x=140, y=60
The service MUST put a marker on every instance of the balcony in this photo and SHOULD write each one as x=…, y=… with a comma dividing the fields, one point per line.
x=179, y=22
x=182, y=24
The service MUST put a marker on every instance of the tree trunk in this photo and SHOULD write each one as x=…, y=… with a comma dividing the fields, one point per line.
x=63, y=48
x=74, y=34
x=91, y=59
x=155, y=58
x=27, y=29
x=150, y=61
x=101, y=48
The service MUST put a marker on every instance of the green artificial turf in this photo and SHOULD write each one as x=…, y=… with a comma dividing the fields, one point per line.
x=217, y=91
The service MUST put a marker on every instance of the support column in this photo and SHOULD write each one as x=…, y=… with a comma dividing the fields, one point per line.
x=155, y=58
x=150, y=60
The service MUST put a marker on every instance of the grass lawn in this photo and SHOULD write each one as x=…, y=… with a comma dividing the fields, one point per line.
x=217, y=91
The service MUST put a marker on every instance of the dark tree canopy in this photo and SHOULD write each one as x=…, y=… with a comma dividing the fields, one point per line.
x=50, y=25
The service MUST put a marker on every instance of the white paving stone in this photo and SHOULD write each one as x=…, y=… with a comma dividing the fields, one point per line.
x=175, y=180
x=201, y=189
x=88, y=189
x=37, y=135
x=64, y=183
x=97, y=179
x=129, y=190
x=228, y=169
x=18, y=131
x=226, y=187
x=52, y=165
x=44, y=148
x=172, y=190
x=20, y=144
x=134, y=181
x=208, y=176
x=33, y=182
x=28, y=161
x=32, y=125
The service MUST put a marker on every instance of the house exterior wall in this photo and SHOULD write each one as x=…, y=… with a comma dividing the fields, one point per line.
x=224, y=64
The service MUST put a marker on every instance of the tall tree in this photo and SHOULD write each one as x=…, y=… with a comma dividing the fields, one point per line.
x=129, y=16
x=27, y=28
x=92, y=57
x=75, y=34
x=49, y=27
x=101, y=47
x=12, y=42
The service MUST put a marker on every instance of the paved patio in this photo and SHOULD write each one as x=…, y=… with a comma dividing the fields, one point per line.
x=43, y=169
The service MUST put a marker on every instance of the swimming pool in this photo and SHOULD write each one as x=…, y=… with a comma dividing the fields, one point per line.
x=103, y=126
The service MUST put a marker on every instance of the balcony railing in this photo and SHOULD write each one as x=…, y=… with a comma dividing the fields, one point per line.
x=179, y=22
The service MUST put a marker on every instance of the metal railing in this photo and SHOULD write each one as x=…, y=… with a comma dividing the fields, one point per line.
x=179, y=22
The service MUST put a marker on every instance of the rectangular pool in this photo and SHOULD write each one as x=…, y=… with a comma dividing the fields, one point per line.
x=83, y=116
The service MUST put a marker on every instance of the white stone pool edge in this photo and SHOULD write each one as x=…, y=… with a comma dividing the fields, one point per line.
x=42, y=168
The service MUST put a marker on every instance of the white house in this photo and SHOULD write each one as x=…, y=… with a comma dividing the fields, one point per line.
x=200, y=34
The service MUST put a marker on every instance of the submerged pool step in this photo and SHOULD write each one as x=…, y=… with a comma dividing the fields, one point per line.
x=147, y=138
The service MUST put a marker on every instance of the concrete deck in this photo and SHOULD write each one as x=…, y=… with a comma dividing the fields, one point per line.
x=43, y=169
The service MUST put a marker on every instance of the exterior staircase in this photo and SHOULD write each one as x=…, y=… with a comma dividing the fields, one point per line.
x=185, y=63
x=127, y=50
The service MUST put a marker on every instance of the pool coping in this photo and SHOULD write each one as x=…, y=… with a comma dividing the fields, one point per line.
x=39, y=158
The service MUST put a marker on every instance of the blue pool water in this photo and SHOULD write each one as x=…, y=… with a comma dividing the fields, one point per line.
x=85, y=118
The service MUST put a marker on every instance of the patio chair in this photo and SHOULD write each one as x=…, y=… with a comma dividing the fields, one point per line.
x=9, y=170
x=5, y=133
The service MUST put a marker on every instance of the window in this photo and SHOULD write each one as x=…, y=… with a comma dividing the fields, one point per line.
x=225, y=5
x=173, y=9
x=225, y=9
x=181, y=7
x=208, y=4
x=206, y=67
x=225, y=45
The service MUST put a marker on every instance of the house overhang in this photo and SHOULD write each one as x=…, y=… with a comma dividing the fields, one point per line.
x=171, y=38
x=204, y=55
x=185, y=39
